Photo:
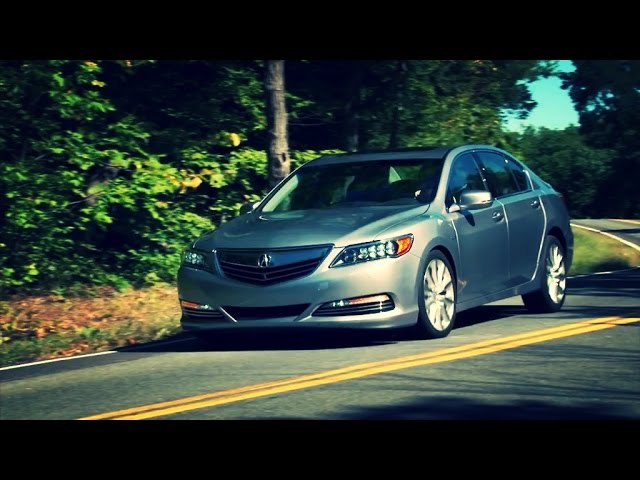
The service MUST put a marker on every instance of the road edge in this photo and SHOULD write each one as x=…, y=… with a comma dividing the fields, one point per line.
x=621, y=240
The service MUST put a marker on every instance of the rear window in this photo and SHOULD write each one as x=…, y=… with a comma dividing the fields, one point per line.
x=499, y=178
x=519, y=174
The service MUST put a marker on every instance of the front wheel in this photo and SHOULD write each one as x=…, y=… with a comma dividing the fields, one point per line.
x=437, y=302
x=550, y=297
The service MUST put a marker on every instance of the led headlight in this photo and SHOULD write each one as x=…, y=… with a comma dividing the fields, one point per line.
x=365, y=252
x=194, y=259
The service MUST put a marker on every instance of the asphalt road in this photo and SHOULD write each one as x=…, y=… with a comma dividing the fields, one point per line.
x=499, y=363
x=628, y=230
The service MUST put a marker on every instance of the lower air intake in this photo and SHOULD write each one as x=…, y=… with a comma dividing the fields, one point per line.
x=327, y=310
x=197, y=314
x=265, y=313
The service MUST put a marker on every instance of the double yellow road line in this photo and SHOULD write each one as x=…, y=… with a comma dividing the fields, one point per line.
x=327, y=377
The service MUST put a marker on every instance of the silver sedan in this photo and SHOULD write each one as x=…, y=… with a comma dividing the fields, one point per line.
x=375, y=240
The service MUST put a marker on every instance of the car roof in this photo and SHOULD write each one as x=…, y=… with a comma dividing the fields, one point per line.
x=396, y=154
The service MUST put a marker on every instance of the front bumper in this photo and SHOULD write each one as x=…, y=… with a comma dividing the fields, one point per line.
x=397, y=277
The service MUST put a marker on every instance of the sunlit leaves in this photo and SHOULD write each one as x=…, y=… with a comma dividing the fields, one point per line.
x=235, y=139
x=191, y=182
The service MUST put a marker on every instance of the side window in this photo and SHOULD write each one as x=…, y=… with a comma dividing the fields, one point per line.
x=464, y=176
x=519, y=174
x=497, y=173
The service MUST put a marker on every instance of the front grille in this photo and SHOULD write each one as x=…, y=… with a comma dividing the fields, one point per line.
x=197, y=314
x=362, y=309
x=261, y=313
x=283, y=265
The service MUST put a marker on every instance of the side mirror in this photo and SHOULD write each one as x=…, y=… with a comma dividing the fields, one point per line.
x=248, y=207
x=475, y=199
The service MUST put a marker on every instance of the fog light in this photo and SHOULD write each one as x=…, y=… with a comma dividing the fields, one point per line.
x=357, y=301
x=371, y=304
x=195, y=306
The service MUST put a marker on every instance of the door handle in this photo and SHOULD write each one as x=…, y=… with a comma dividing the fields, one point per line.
x=535, y=204
x=497, y=216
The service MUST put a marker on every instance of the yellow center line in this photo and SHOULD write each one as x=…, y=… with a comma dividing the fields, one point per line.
x=361, y=370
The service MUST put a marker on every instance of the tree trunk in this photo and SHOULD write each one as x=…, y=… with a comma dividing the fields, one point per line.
x=354, y=83
x=278, y=148
x=397, y=108
x=395, y=125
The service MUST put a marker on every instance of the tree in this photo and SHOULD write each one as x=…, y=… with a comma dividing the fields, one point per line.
x=606, y=94
x=575, y=169
x=278, y=146
x=388, y=104
x=109, y=168
x=426, y=102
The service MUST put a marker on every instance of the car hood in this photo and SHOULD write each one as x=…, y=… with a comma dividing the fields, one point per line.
x=341, y=227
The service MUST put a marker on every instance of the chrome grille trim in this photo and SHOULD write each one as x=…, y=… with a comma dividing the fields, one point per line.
x=288, y=264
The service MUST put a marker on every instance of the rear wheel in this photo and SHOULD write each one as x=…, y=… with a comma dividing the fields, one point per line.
x=550, y=297
x=437, y=302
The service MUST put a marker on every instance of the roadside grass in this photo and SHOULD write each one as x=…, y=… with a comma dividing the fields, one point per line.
x=54, y=326
x=594, y=252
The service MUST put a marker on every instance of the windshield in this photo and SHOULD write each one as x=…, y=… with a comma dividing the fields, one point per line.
x=378, y=182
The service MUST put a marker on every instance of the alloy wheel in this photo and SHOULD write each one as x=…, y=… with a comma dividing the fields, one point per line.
x=439, y=294
x=556, y=274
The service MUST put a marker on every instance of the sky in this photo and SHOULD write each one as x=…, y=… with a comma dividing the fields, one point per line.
x=555, y=108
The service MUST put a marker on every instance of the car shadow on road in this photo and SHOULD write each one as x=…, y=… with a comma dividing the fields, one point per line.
x=487, y=313
x=288, y=339
x=461, y=408
x=625, y=283
x=614, y=285
x=268, y=339
x=308, y=339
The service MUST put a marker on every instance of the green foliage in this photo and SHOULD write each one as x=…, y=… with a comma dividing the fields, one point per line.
x=607, y=96
x=407, y=103
x=93, y=193
x=452, y=102
x=575, y=169
x=110, y=168
x=84, y=200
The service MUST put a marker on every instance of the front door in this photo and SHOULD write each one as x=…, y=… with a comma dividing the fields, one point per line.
x=482, y=235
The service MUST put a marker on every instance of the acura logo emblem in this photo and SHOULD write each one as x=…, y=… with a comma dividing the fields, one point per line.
x=264, y=261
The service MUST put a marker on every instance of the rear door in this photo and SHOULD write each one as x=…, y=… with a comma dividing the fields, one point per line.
x=509, y=183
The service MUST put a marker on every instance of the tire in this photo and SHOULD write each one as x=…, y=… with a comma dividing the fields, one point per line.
x=550, y=296
x=437, y=297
